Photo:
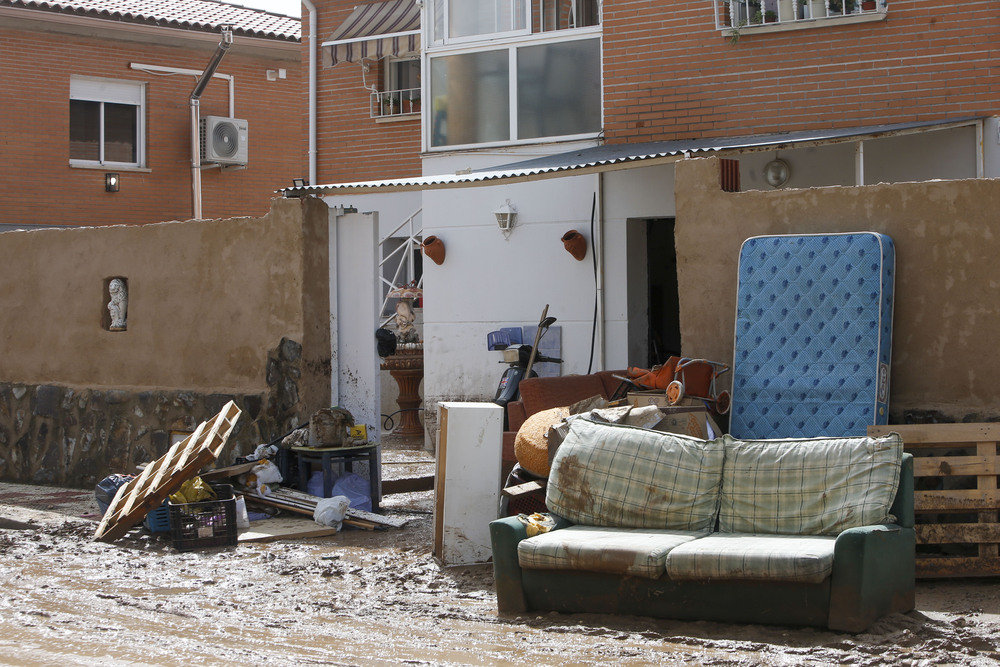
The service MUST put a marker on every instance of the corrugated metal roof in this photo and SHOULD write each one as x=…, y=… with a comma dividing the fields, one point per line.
x=623, y=156
x=198, y=15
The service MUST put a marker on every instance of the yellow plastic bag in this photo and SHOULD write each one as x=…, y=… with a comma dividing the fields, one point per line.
x=536, y=523
x=195, y=490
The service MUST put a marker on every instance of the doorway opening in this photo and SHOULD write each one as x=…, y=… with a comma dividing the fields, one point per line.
x=653, y=302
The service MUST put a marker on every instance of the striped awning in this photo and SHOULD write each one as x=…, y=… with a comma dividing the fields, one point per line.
x=374, y=31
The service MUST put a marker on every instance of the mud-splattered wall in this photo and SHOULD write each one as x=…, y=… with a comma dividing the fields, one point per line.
x=218, y=310
x=945, y=362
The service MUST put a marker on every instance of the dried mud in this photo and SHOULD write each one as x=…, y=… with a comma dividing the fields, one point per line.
x=364, y=598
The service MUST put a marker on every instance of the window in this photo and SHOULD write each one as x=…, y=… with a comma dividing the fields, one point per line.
x=106, y=122
x=734, y=15
x=401, y=89
x=509, y=71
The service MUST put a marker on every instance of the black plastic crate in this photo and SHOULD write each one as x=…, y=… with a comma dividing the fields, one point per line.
x=211, y=523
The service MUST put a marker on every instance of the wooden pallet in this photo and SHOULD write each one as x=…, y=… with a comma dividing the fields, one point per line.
x=165, y=475
x=956, y=501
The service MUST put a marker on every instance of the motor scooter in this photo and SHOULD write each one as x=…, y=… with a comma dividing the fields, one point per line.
x=520, y=359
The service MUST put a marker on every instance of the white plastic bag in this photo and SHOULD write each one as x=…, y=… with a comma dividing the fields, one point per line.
x=266, y=472
x=331, y=511
x=242, y=518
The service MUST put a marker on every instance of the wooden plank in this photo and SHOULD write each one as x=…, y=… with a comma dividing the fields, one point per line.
x=939, y=466
x=284, y=528
x=407, y=485
x=955, y=500
x=957, y=533
x=227, y=472
x=931, y=568
x=164, y=476
x=913, y=434
x=987, y=483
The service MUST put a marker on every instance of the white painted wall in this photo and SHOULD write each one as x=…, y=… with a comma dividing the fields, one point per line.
x=354, y=305
x=487, y=282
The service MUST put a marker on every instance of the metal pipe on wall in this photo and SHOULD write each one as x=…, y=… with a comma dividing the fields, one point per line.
x=195, y=102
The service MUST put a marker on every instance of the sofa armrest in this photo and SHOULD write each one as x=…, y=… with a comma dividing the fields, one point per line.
x=873, y=574
x=902, y=505
x=505, y=534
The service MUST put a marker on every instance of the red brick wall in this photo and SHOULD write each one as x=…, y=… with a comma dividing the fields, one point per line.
x=37, y=185
x=669, y=74
x=352, y=146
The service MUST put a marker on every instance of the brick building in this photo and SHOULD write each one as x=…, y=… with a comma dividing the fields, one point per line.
x=96, y=123
x=542, y=75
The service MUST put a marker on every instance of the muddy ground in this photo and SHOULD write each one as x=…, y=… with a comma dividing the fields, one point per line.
x=364, y=598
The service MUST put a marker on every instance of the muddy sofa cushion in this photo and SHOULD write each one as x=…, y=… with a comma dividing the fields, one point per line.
x=810, y=486
x=755, y=557
x=633, y=551
x=623, y=476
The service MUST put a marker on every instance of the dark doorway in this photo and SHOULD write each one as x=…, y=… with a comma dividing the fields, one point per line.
x=664, y=303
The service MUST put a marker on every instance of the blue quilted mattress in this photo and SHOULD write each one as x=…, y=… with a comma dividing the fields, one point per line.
x=813, y=334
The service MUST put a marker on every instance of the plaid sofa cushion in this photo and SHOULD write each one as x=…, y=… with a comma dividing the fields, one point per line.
x=634, y=551
x=771, y=557
x=812, y=486
x=629, y=477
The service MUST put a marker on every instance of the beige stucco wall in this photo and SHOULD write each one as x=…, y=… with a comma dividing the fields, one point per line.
x=206, y=300
x=947, y=294
x=218, y=310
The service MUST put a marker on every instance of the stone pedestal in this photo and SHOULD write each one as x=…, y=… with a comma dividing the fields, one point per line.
x=407, y=368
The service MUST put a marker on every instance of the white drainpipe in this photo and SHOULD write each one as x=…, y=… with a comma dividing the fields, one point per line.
x=312, y=89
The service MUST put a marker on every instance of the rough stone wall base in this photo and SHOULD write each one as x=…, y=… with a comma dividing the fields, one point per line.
x=75, y=437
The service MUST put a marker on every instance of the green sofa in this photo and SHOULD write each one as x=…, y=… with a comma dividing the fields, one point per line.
x=814, y=532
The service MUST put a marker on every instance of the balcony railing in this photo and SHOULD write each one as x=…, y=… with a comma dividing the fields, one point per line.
x=737, y=14
x=391, y=103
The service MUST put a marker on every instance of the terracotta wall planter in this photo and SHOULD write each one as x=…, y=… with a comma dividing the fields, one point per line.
x=434, y=249
x=575, y=244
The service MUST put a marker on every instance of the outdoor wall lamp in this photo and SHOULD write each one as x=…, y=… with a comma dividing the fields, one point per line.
x=299, y=182
x=506, y=217
x=111, y=182
x=777, y=173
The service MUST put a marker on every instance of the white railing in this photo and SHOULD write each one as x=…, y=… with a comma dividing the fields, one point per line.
x=736, y=14
x=388, y=103
x=405, y=272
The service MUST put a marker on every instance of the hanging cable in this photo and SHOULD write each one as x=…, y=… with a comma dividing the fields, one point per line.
x=593, y=256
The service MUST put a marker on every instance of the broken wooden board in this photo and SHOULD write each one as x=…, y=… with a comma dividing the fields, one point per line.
x=165, y=475
x=304, y=503
x=284, y=528
x=523, y=489
x=956, y=501
x=230, y=471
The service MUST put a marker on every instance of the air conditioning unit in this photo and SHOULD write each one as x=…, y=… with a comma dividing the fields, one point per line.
x=223, y=140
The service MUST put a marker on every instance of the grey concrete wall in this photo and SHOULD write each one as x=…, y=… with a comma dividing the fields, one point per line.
x=218, y=309
x=945, y=362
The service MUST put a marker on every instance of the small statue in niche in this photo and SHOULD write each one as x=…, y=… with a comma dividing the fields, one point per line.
x=118, y=306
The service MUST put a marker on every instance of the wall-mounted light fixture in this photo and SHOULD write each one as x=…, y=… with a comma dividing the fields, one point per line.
x=299, y=182
x=111, y=182
x=506, y=217
x=777, y=172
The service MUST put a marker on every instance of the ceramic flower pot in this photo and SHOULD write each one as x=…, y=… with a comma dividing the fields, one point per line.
x=434, y=249
x=575, y=244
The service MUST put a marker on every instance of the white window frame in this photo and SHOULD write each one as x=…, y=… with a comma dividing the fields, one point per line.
x=112, y=91
x=512, y=45
x=443, y=7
